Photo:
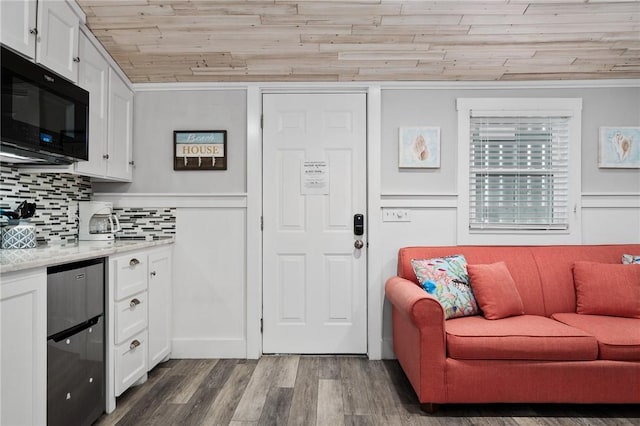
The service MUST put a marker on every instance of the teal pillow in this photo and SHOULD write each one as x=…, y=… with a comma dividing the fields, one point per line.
x=628, y=259
x=446, y=279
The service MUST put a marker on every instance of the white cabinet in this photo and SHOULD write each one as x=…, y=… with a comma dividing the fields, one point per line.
x=110, y=116
x=18, y=19
x=93, y=76
x=160, y=271
x=23, y=348
x=120, y=129
x=57, y=42
x=139, y=295
x=44, y=30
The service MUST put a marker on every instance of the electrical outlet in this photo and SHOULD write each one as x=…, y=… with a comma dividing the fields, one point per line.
x=395, y=215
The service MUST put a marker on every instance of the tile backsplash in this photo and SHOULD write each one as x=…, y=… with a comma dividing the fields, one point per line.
x=156, y=222
x=55, y=195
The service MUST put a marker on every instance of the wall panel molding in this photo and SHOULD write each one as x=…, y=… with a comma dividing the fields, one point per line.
x=122, y=200
x=610, y=200
x=437, y=201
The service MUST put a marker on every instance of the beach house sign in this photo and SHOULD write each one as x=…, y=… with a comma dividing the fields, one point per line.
x=200, y=150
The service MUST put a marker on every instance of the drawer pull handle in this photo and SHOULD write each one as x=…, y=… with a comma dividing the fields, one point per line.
x=134, y=262
x=134, y=303
x=134, y=344
x=153, y=273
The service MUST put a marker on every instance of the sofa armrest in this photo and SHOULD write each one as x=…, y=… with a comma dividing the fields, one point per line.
x=419, y=338
x=413, y=302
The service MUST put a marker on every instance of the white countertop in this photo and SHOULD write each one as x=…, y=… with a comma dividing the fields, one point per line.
x=56, y=254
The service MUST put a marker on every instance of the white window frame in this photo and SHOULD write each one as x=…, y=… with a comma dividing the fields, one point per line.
x=568, y=107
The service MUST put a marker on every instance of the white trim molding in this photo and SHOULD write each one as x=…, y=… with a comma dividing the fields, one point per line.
x=611, y=201
x=424, y=201
x=119, y=200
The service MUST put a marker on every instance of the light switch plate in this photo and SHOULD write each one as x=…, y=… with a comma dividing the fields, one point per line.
x=395, y=215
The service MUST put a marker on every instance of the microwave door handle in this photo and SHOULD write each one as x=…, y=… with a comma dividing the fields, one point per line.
x=115, y=217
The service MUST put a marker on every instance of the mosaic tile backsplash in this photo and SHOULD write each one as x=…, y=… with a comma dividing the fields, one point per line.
x=55, y=194
x=141, y=222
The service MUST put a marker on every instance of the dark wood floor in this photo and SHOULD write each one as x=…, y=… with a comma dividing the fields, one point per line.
x=311, y=390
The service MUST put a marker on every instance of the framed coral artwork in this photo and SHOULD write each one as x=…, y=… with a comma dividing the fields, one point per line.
x=419, y=147
x=619, y=147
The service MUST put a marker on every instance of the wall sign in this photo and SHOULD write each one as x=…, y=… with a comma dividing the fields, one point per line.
x=200, y=150
x=315, y=178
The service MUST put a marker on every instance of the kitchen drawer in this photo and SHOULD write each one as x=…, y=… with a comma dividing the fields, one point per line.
x=130, y=362
x=131, y=316
x=130, y=275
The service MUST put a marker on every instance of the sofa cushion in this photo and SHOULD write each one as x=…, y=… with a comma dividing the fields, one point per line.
x=495, y=290
x=618, y=338
x=630, y=259
x=446, y=279
x=607, y=289
x=523, y=337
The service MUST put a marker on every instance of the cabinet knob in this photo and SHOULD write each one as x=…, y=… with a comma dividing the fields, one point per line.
x=134, y=344
x=134, y=262
x=105, y=156
x=76, y=59
x=132, y=163
x=33, y=31
x=134, y=303
x=153, y=273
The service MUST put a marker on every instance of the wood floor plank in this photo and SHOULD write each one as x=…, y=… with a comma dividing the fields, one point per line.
x=150, y=401
x=250, y=405
x=328, y=368
x=330, y=403
x=198, y=406
x=285, y=371
x=276, y=407
x=196, y=374
x=305, y=393
x=222, y=409
x=355, y=390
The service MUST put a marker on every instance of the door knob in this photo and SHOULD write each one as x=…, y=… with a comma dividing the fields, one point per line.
x=358, y=244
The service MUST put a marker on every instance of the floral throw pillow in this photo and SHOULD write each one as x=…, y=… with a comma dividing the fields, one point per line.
x=629, y=259
x=446, y=279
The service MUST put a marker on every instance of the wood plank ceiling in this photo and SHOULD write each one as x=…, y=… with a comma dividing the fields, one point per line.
x=368, y=40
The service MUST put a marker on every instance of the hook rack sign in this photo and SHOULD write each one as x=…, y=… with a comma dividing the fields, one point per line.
x=200, y=150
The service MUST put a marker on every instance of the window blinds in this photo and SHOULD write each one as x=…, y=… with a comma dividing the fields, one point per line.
x=519, y=168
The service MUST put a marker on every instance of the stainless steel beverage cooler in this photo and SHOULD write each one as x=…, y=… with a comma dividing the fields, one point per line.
x=75, y=346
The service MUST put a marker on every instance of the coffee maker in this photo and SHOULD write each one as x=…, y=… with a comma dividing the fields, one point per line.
x=97, y=221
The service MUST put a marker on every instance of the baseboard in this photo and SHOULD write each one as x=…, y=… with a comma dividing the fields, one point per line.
x=209, y=348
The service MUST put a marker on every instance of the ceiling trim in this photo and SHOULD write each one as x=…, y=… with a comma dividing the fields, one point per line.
x=385, y=85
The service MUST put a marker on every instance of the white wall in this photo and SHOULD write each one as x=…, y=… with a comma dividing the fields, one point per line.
x=211, y=288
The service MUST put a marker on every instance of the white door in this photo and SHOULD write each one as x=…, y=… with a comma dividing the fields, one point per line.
x=314, y=177
x=120, y=129
x=18, y=29
x=57, y=43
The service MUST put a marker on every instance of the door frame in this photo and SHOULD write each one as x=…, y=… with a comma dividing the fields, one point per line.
x=254, y=259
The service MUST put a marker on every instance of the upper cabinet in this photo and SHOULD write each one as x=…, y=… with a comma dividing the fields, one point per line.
x=110, y=115
x=18, y=19
x=120, y=132
x=57, y=43
x=52, y=39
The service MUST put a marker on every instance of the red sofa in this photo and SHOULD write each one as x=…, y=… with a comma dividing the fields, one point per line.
x=549, y=354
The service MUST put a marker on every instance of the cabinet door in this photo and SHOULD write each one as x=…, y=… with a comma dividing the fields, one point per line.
x=120, y=131
x=93, y=76
x=23, y=348
x=19, y=25
x=159, y=306
x=57, y=46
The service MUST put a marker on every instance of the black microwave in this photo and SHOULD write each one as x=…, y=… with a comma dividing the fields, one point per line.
x=44, y=117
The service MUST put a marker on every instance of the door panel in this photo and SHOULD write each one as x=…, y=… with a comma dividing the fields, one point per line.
x=314, y=176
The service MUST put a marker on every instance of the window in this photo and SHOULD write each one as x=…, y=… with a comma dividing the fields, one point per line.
x=519, y=170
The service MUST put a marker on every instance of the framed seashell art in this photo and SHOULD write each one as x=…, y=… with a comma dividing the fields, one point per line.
x=419, y=147
x=619, y=147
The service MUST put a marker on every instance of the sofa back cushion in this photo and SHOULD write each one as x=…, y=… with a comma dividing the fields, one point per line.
x=543, y=274
x=518, y=259
x=555, y=264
